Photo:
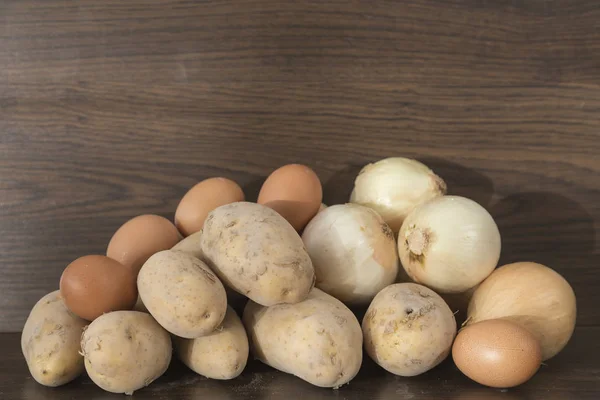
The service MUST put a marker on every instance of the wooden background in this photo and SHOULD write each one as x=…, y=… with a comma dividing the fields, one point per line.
x=109, y=109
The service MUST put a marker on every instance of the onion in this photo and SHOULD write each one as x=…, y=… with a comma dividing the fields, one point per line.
x=450, y=244
x=394, y=187
x=532, y=295
x=353, y=252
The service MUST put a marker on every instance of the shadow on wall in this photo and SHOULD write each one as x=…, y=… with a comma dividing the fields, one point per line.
x=544, y=227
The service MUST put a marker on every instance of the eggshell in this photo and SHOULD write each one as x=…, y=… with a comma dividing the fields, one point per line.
x=202, y=199
x=295, y=192
x=94, y=285
x=497, y=353
x=139, y=238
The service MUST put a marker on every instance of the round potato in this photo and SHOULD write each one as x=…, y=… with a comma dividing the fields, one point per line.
x=182, y=294
x=220, y=355
x=256, y=252
x=50, y=342
x=125, y=351
x=408, y=329
x=318, y=339
x=191, y=245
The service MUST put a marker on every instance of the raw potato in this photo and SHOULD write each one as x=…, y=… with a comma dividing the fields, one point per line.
x=50, y=342
x=256, y=252
x=318, y=340
x=182, y=294
x=125, y=351
x=221, y=355
x=191, y=245
x=408, y=329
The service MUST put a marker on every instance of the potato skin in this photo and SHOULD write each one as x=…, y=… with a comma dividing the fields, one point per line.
x=191, y=245
x=256, y=252
x=125, y=351
x=50, y=342
x=408, y=329
x=318, y=340
x=223, y=354
x=182, y=294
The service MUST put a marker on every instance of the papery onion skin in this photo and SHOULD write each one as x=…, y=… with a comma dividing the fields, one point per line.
x=394, y=187
x=532, y=295
x=449, y=244
x=353, y=252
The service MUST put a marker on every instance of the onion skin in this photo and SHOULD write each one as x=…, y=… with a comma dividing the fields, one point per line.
x=394, y=187
x=532, y=295
x=353, y=252
x=449, y=244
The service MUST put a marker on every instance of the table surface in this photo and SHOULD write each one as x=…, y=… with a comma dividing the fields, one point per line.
x=112, y=109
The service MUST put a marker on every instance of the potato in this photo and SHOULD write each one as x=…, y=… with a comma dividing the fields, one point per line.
x=256, y=252
x=182, y=294
x=190, y=245
x=125, y=351
x=408, y=329
x=221, y=355
x=318, y=340
x=50, y=342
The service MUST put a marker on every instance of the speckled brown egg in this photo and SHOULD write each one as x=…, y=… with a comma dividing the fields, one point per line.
x=202, y=199
x=295, y=192
x=94, y=285
x=497, y=353
x=139, y=238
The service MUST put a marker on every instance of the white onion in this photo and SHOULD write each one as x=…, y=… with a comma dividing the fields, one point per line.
x=353, y=252
x=450, y=244
x=531, y=295
x=394, y=187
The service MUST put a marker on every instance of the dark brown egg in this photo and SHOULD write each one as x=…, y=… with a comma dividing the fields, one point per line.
x=93, y=285
x=497, y=353
x=139, y=238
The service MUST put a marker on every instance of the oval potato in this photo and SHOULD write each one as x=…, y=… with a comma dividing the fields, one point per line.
x=50, y=342
x=125, y=351
x=256, y=252
x=220, y=355
x=408, y=329
x=182, y=294
x=318, y=339
x=191, y=245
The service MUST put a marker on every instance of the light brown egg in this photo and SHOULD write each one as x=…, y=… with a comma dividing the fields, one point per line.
x=202, y=199
x=93, y=285
x=497, y=353
x=295, y=192
x=139, y=238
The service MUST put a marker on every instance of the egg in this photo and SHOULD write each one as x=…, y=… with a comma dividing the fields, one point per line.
x=93, y=285
x=202, y=199
x=295, y=192
x=139, y=238
x=497, y=353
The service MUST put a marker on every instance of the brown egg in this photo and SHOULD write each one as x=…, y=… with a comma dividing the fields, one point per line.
x=139, y=238
x=202, y=199
x=94, y=285
x=295, y=192
x=497, y=353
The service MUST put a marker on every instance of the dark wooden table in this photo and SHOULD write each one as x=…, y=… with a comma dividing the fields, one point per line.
x=109, y=109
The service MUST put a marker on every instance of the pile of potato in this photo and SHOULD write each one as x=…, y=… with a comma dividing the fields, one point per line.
x=296, y=266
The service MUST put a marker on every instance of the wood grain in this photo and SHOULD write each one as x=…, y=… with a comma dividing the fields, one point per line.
x=573, y=374
x=112, y=109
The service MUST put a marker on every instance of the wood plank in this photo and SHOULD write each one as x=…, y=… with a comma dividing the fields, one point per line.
x=112, y=109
